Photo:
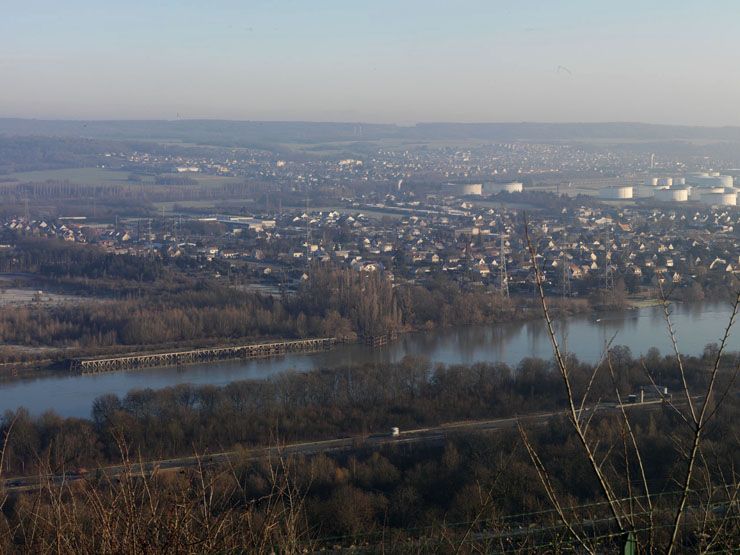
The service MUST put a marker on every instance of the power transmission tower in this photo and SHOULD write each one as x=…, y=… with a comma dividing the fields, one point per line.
x=503, y=277
x=175, y=228
x=308, y=234
x=566, y=268
x=566, y=276
x=608, y=272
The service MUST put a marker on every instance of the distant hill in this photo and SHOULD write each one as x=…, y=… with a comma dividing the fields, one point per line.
x=265, y=133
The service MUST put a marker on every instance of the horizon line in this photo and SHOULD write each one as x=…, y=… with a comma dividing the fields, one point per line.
x=360, y=122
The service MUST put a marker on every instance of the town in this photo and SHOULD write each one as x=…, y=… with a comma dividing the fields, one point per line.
x=583, y=245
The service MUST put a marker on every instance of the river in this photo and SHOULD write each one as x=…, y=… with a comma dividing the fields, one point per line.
x=695, y=324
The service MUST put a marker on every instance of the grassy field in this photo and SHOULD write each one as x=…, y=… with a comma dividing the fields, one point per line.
x=206, y=205
x=81, y=176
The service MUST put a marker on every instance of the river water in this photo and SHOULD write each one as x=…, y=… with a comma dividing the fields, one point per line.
x=696, y=325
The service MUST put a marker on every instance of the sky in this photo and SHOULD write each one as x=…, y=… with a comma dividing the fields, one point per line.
x=393, y=61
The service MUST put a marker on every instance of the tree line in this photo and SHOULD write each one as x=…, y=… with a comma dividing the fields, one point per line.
x=154, y=301
x=318, y=404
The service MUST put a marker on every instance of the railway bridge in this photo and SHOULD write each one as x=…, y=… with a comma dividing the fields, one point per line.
x=193, y=356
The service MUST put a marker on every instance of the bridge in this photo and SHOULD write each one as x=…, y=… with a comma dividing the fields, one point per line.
x=193, y=356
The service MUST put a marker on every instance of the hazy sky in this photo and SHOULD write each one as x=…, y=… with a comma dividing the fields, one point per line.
x=401, y=61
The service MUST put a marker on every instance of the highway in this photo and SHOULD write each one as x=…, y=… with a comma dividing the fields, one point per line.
x=405, y=437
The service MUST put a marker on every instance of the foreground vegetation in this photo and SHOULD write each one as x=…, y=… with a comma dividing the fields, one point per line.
x=474, y=492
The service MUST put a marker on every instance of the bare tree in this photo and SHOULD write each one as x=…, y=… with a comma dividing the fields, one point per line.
x=635, y=512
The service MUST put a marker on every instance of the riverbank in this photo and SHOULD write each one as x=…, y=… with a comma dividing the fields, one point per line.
x=58, y=362
x=583, y=336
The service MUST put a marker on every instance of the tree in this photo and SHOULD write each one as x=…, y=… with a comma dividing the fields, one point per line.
x=693, y=472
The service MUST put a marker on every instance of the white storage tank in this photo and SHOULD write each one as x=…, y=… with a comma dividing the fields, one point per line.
x=696, y=178
x=672, y=195
x=510, y=187
x=707, y=181
x=726, y=180
x=679, y=181
x=719, y=199
x=665, y=182
x=618, y=192
x=644, y=191
x=651, y=181
x=472, y=189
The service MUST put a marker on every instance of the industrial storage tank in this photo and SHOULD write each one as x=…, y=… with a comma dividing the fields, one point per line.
x=511, y=187
x=719, y=199
x=472, y=189
x=644, y=191
x=618, y=192
x=695, y=178
x=672, y=195
x=651, y=181
x=679, y=181
x=726, y=180
x=665, y=182
x=706, y=181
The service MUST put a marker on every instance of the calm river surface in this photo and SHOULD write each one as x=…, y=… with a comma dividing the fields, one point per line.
x=696, y=325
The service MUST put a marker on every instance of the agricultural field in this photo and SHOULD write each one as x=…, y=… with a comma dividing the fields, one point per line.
x=104, y=176
x=80, y=176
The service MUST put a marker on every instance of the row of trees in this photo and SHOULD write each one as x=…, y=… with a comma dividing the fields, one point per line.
x=57, y=260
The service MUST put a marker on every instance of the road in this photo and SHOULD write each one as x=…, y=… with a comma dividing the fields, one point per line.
x=405, y=437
